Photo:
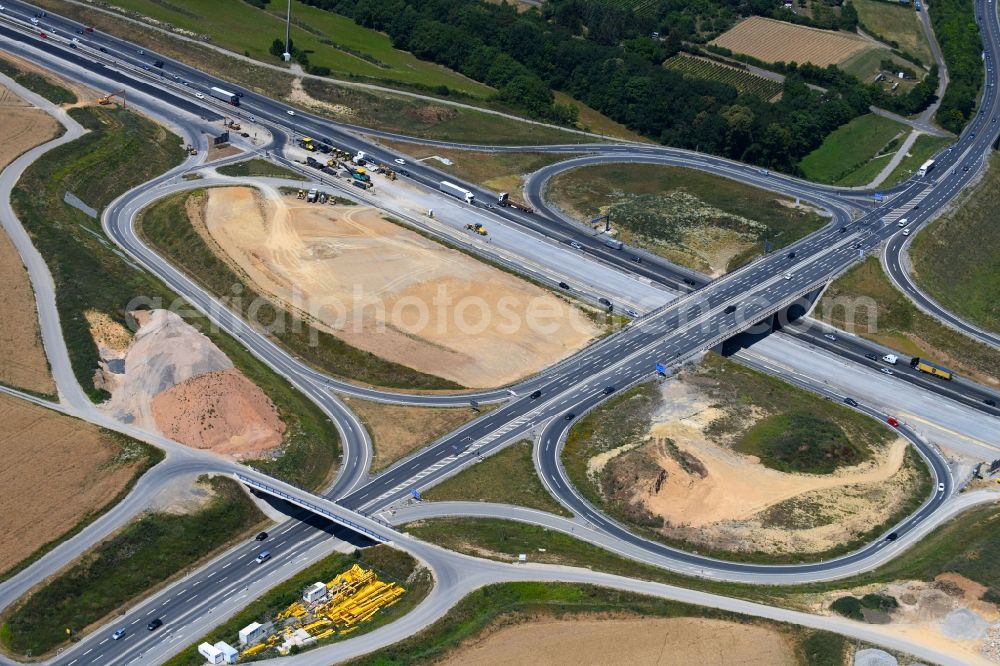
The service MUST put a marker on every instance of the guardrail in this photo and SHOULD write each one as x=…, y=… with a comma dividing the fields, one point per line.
x=310, y=506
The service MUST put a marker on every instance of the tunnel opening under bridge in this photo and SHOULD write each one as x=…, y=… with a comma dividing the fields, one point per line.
x=793, y=313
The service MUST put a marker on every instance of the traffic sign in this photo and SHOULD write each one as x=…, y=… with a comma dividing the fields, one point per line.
x=661, y=369
x=416, y=494
x=879, y=196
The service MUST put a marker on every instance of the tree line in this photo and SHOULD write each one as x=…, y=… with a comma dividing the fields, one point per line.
x=955, y=24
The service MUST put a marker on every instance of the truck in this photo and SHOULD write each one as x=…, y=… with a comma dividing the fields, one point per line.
x=357, y=173
x=456, y=191
x=613, y=243
x=315, y=164
x=225, y=96
x=923, y=365
x=925, y=168
x=311, y=197
x=363, y=184
x=307, y=143
x=505, y=200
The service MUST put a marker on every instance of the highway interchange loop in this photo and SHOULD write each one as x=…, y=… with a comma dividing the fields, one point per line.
x=679, y=330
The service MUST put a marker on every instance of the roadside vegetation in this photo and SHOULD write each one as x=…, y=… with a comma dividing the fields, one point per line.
x=958, y=35
x=508, y=477
x=37, y=83
x=897, y=25
x=167, y=228
x=495, y=607
x=258, y=167
x=144, y=555
x=922, y=149
x=956, y=259
x=865, y=302
x=851, y=148
x=121, y=151
x=390, y=565
x=693, y=218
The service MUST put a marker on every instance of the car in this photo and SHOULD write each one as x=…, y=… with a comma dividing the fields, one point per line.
x=965, y=168
x=199, y=95
x=990, y=401
x=632, y=313
x=830, y=337
x=605, y=302
x=730, y=309
x=569, y=416
x=88, y=29
x=535, y=395
x=575, y=245
x=636, y=259
x=843, y=229
x=261, y=536
x=253, y=119
x=788, y=276
x=872, y=357
x=118, y=634
x=940, y=487
x=399, y=160
x=290, y=112
x=851, y=401
x=892, y=536
x=893, y=421
x=563, y=285
x=972, y=136
x=857, y=246
x=994, y=120
x=608, y=390
x=791, y=255
x=43, y=35
x=154, y=624
x=689, y=282
x=146, y=67
x=264, y=556
x=102, y=49
x=906, y=232
x=34, y=21
x=184, y=83
x=79, y=30
x=885, y=371
x=141, y=52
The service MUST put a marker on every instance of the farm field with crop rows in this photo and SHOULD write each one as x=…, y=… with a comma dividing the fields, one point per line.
x=744, y=82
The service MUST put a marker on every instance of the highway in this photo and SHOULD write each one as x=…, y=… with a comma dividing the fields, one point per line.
x=672, y=334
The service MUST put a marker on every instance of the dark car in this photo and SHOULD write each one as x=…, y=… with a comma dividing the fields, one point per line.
x=872, y=357
x=843, y=229
x=604, y=301
x=730, y=309
x=102, y=49
x=637, y=259
x=892, y=536
x=689, y=282
x=569, y=416
x=791, y=255
x=261, y=536
x=535, y=395
x=154, y=624
x=563, y=285
x=851, y=401
x=608, y=390
x=990, y=401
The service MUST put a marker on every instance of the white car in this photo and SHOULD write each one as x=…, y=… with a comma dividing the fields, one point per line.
x=34, y=21
x=885, y=371
x=118, y=634
x=828, y=336
x=940, y=487
x=290, y=112
x=399, y=161
x=199, y=95
x=576, y=245
x=788, y=276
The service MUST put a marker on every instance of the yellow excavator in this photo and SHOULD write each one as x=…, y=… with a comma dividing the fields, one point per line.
x=478, y=228
x=107, y=99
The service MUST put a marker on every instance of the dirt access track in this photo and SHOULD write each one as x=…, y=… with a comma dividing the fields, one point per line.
x=387, y=290
x=659, y=641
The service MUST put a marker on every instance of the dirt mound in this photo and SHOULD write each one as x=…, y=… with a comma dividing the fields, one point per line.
x=392, y=292
x=174, y=380
x=678, y=640
x=223, y=411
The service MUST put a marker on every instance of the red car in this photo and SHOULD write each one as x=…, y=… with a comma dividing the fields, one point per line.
x=88, y=29
x=43, y=35
x=893, y=421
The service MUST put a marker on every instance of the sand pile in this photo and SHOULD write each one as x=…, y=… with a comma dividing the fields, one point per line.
x=174, y=380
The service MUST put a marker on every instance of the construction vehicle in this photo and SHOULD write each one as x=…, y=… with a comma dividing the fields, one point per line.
x=930, y=368
x=107, y=99
x=505, y=200
x=191, y=150
x=362, y=184
x=386, y=171
x=357, y=173
x=311, y=197
x=478, y=228
x=314, y=163
x=301, y=194
x=307, y=143
x=231, y=124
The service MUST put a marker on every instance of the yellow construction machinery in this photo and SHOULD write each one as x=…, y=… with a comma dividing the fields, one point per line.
x=191, y=150
x=301, y=194
x=231, y=124
x=107, y=99
x=478, y=228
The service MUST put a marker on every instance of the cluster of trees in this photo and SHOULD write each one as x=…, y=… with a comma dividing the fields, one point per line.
x=824, y=15
x=958, y=35
x=298, y=55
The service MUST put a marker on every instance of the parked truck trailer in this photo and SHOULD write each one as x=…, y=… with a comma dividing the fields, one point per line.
x=225, y=96
x=456, y=191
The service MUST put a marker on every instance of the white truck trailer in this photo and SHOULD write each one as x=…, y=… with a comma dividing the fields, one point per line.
x=456, y=191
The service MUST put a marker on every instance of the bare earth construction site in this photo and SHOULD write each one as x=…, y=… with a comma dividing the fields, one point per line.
x=387, y=290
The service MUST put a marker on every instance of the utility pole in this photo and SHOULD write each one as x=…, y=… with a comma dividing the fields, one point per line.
x=287, y=55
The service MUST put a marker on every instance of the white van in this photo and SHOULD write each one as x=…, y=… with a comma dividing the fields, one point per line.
x=903, y=222
x=890, y=359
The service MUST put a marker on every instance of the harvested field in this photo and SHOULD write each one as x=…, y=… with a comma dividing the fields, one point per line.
x=678, y=640
x=389, y=291
x=23, y=362
x=776, y=41
x=44, y=497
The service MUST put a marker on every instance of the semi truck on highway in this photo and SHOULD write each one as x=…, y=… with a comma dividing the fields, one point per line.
x=225, y=96
x=505, y=200
x=925, y=167
x=613, y=243
x=456, y=191
x=924, y=365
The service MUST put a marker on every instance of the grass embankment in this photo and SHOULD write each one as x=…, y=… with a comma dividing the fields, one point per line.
x=851, y=148
x=956, y=259
x=507, y=477
x=507, y=604
x=694, y=218
x=865, y=302
x=257, y=167
x=121, y=151
x=167, y=228
x=784, y=439
x=37, y=83
x=896, y=24
x=398, y=430
x=142, y=556
x=390, y=565
x=922, y=149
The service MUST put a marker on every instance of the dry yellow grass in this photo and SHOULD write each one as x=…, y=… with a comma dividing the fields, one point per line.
x=777, y=41
x=44, y=497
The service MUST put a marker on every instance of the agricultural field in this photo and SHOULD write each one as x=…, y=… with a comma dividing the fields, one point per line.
x=744, y=82
x=891, y=22
x=332, y=41
x=777, y=41
x=851, y=147
x=865, y=65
